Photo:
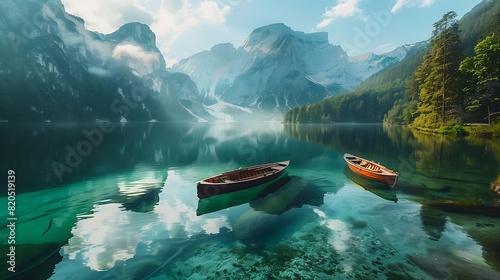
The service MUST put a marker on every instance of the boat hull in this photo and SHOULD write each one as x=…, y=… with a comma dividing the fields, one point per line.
x=383, y=174
x=207, y=189
x=380, y=189
x=227, y=200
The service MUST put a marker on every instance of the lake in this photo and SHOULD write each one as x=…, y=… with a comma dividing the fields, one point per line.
x=118, y=201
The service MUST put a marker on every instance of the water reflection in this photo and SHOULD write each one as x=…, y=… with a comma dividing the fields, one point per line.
x=130, y=210
x=141, y=195
x=377, y=188
x=448, y=176
x=430, y=166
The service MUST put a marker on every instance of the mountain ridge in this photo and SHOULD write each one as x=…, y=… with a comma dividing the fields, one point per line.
x=59, y=71
x=385, y=91
x=277, y=68
x=56, y=70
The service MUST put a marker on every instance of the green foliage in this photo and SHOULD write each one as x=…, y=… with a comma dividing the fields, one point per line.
x=483, y=20
x=457, y=130
x=483, y=75
x=438, y=76
x=392, y=95
x=487, y=131
x=402, y=112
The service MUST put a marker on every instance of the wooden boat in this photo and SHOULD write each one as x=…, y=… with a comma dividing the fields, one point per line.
x=227, y=200
x=380, y=189
x=240, y=179
x=371, y=170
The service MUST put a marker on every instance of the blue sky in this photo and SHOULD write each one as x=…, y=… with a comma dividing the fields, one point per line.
x=185, y=27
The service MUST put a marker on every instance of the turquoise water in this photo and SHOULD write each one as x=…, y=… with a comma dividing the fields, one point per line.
x=129, y=209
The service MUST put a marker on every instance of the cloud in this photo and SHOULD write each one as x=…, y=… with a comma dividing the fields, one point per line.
x=343, y=9
x=211, y=12
x=176, y=17
x=400, y=4
x=135, y=53
x=168, y=19
x=104, y=16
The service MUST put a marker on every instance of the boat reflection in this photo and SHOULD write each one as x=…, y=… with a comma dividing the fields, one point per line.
x=295, y=194
x=227, y=200
x=379, y=189
x=139, y=196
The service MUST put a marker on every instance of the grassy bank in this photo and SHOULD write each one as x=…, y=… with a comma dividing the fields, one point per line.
x=485, y=131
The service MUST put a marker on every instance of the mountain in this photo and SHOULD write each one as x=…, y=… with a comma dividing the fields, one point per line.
x=368, y=64
x=383, y=95
x=53, y=69
x=277, y=68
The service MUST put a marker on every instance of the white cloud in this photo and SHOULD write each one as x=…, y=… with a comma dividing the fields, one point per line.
x=343, y=9
x=211, y=12
x=101, y=16
x=168, y=19
x=175, y=17
x=141, y=61
x=134, y=53
x=400, y=4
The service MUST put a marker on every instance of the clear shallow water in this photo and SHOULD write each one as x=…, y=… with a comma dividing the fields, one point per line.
x=128, y=210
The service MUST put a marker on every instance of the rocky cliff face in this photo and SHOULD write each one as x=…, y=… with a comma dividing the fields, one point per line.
x=52, y=68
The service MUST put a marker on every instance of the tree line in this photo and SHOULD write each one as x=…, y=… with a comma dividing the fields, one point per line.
x=449, y=87
x=437, y=85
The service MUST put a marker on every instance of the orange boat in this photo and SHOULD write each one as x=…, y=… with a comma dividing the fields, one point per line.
x=371, y=170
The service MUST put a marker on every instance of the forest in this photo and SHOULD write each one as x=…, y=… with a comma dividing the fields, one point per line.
x=451, y=80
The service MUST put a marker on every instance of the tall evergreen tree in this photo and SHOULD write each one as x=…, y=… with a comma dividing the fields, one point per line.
x=438, y=75
x=484, y=71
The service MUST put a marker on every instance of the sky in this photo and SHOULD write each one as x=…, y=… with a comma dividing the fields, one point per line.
x=186, y=27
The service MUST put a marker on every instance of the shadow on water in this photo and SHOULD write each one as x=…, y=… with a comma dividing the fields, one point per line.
x=377, y=188
x=227, y=200
x=294, y=194
x=281, y=195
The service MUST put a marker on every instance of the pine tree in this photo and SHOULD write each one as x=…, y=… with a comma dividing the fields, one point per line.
x=438, y=75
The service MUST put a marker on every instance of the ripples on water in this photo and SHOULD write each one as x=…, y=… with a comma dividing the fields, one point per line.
x=143, y=218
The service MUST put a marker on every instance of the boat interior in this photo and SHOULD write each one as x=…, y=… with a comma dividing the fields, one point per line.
x=242, y=174
x=367, y=165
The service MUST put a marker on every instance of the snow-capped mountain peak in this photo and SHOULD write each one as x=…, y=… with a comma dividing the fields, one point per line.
x=264, y=39
x=277, y=68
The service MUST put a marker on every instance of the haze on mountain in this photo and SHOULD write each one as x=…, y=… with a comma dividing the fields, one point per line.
x=277, y=68
x=53, y=69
